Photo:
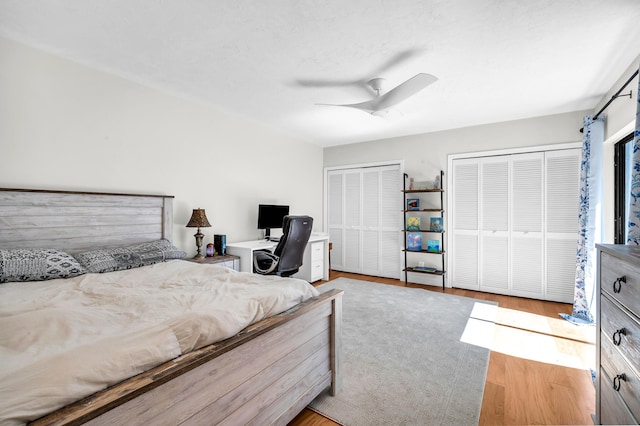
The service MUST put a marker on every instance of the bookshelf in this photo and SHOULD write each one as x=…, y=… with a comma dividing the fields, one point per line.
x=424, y=229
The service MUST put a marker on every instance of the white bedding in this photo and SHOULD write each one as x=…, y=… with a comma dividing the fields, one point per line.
x=64, y=339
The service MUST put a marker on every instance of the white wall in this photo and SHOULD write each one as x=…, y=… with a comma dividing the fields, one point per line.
x=69, y=127
x=622, y=111
x=620, y=118
x=425, y=154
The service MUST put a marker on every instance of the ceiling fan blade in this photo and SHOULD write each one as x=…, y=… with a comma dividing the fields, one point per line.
x=404, y=90
x=367, y=106
x=394, y=96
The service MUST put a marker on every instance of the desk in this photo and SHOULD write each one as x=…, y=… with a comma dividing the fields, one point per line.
x=315, y=264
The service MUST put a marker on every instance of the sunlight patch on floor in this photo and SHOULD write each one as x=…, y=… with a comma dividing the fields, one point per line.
x=531, y=336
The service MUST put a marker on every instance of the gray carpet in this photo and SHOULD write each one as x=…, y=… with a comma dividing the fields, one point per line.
x=404, y=362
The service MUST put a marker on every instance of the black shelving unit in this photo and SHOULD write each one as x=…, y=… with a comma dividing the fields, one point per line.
x=427, y=214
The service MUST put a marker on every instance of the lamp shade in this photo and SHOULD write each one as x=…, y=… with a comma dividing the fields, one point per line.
x=198, y=219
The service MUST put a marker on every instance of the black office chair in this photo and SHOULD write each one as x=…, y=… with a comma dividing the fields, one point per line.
x=287, y=257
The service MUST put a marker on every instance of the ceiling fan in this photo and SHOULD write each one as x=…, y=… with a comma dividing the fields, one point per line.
x=386, y=100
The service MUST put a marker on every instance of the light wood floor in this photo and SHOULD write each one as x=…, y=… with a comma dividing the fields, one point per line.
x=538, y=368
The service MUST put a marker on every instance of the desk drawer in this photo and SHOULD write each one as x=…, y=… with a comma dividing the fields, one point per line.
x=626, y=293
x=614, y=364
x=317, y=254
x=317, y=271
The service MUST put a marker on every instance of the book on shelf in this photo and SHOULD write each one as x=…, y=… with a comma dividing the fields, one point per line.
x=413, y=204
x=435, y=224
x=414, y=241
x=413, y=224
x=433, y=246
x=424, y=269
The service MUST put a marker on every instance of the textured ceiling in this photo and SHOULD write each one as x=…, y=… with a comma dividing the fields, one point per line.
x=274, y=61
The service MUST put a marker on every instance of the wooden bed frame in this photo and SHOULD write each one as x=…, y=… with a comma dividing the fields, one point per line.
x=264, y=375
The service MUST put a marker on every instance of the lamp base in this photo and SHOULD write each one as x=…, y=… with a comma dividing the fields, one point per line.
x=199, y=235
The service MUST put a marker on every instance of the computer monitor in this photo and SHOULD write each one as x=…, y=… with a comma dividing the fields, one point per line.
x=271, y=216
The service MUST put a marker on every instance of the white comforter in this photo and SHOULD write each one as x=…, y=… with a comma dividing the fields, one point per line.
x=64, y=339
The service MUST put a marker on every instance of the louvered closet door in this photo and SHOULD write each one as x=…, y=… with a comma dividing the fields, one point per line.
x=389, y=222
x=370, y=222
x=353, y=222
x=494, y=220
x=365, y=220
x=464, y=224
x=527, y=224
x=335, y=220
x=527, y=192
x=562, y=206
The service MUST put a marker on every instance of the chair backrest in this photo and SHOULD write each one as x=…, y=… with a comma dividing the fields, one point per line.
x=296, y=231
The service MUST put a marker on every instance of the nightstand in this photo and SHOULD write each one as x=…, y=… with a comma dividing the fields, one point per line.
x=228, y=260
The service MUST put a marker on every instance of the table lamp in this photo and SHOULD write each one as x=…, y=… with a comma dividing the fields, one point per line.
x=198, y=220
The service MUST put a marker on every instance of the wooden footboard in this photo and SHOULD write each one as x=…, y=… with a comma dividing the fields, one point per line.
x=265, y=375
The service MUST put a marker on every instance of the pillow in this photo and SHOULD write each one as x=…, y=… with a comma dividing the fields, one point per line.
x=37, y=265
x=127, y=257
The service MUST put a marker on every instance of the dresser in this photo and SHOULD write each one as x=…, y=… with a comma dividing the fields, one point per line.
x=618, y=335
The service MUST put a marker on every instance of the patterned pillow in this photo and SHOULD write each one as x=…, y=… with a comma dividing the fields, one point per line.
x=127, y=257
x=37, y=265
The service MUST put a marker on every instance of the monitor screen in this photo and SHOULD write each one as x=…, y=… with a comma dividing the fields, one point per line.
x=271, y=216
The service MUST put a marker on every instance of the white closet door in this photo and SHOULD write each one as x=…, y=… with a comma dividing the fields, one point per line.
x=494, y=220
x=562, y=206
x=335, y=220
x=353, y=222
x=365, y=220
x=527, y=225
x=370, y=221
x=390, y=222
x=464, y=224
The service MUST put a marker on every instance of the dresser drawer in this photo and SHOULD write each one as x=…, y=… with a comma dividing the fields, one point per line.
x=613, y=410
x=617, y=326
x=626, y=293
x=614, y=365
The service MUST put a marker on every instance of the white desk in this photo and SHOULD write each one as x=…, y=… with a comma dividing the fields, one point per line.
x=315, y=264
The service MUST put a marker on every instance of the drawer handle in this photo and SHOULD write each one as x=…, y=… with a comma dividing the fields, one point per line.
x=617, y=380
x=617, y=284
x=617, y=336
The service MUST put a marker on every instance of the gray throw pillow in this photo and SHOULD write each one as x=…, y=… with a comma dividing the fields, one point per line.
x=127, y=257
x=37, y=265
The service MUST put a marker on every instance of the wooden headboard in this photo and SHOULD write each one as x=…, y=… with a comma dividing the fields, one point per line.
x=76, y=221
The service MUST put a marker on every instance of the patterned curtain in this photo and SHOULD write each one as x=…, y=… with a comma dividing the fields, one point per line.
x=590, y=222
x=633, y=223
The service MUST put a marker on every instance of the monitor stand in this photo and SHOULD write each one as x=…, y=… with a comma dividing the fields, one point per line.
x=268, y=237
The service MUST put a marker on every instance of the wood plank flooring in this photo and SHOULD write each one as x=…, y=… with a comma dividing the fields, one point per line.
x=538, y=368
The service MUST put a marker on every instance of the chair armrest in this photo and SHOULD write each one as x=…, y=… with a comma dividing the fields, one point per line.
x=264, y=262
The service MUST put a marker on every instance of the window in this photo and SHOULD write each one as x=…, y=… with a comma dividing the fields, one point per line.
x=623, y=154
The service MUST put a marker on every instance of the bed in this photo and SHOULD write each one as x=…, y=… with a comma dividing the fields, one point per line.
x=264, y=374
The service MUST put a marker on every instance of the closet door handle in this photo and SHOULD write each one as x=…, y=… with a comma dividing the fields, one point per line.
x=617, y=336
x=617, y=284
x=617, y=380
